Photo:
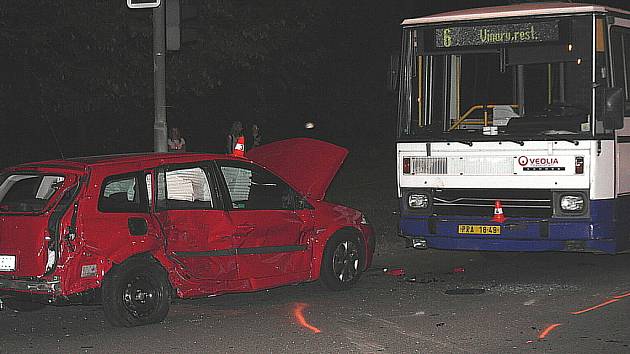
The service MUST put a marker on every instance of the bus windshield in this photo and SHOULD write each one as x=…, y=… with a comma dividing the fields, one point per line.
x=528, y=79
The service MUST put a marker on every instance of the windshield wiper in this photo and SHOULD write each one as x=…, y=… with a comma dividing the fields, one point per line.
x=465, y=142
x=562, y=138
x=519, y=142
x=574, y=142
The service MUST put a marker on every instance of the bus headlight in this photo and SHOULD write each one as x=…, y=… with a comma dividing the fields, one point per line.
x=418, y=201
x=572, y=203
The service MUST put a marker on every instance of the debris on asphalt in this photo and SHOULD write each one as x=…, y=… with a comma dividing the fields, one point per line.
x=395, y=272
x=459, y=270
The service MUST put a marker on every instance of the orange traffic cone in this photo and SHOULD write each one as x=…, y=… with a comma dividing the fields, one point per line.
x=498, y=212
x=239, y=148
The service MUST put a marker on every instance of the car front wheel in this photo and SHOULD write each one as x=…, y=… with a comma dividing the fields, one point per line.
x=136, y=293
x=342, y=262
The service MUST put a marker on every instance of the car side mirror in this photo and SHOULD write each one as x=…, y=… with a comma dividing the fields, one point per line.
x=614, y=108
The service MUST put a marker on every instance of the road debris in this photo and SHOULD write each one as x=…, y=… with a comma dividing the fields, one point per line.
x=395, y=272
x=459, y=270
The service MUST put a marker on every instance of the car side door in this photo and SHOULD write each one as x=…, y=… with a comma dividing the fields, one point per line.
x=271, y=234
x=198, y=230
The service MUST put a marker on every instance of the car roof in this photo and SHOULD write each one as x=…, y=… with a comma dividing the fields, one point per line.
x=146, y=158
x=527, y=9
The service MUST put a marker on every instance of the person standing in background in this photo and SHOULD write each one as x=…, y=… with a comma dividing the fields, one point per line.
x=176, y=143
x=232, y=139
x=255, y=137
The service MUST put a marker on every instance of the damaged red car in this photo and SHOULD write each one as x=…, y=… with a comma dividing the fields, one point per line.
x=133, y=231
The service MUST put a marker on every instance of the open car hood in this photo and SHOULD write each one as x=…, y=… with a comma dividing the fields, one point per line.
x=309, y=165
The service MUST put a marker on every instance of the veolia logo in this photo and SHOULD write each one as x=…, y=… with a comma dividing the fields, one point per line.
x=537, y=161
x=522, y=160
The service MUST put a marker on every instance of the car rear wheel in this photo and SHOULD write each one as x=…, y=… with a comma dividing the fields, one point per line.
x=136, y=293
x=342, y=262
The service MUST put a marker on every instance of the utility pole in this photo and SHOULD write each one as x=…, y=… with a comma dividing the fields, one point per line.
x=159, y=68
x=159, y=78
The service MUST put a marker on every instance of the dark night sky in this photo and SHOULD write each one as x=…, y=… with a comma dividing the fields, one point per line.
x=82, y=69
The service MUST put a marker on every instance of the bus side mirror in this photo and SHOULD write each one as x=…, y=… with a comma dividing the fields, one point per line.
x=613, y=110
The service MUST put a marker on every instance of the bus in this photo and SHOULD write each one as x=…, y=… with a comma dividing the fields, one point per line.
x=514, y=129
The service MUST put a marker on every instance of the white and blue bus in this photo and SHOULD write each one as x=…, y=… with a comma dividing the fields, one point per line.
x=511, y=129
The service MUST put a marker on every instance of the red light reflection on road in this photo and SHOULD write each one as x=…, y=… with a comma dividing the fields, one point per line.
x=608, y=302
x=299, y=316
x=622, y=296
x=548, y=330
x=614, y=299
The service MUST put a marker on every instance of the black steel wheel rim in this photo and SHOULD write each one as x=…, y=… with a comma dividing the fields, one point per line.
x=142, y=295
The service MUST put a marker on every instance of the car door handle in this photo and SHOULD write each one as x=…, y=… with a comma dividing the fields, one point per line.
x=244, y=229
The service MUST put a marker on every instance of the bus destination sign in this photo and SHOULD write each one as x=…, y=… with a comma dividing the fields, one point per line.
x=484, y=35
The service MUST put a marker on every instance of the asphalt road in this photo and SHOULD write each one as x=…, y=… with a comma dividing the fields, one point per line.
x=447, y=302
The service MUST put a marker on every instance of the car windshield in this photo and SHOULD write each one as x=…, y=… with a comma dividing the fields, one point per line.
x=457, y=82
x=27, y=192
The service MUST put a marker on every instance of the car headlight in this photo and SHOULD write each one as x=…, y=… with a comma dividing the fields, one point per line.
x=572, y=203
x=418, y=201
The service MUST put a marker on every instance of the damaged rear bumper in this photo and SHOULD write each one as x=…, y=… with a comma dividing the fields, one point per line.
x=35, y=286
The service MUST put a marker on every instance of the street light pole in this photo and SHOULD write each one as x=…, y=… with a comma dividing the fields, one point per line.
x=159, y=79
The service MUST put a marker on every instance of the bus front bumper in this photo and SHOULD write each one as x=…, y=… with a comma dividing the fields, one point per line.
x=516, y=234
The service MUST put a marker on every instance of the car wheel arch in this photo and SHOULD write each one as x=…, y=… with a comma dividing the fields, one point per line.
x=121, y=271
x=130, y=250
x=321, y=246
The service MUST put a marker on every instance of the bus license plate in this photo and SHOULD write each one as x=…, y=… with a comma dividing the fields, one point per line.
x=479, y=229
x=7, y=263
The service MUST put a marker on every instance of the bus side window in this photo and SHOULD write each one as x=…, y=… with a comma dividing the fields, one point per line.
x=620, y=40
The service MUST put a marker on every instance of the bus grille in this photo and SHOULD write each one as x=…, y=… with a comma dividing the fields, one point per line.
x=467, y=166
x=480, y=202
x=429, y=165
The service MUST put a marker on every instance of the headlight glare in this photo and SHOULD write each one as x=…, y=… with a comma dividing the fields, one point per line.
x=572, y=203
x=418, y=201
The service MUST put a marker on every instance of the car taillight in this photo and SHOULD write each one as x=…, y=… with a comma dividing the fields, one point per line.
x=406, y=165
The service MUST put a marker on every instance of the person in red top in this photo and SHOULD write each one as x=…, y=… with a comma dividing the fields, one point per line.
x=235, y=139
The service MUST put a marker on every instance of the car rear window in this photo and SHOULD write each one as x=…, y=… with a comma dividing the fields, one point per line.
x=25, y=192
x=121, y=194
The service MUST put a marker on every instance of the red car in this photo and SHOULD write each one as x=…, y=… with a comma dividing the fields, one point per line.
x=132, y=231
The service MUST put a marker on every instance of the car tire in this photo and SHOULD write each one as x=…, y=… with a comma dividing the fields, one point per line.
x=136, y=293
x=342, y=262
x=22, y=306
